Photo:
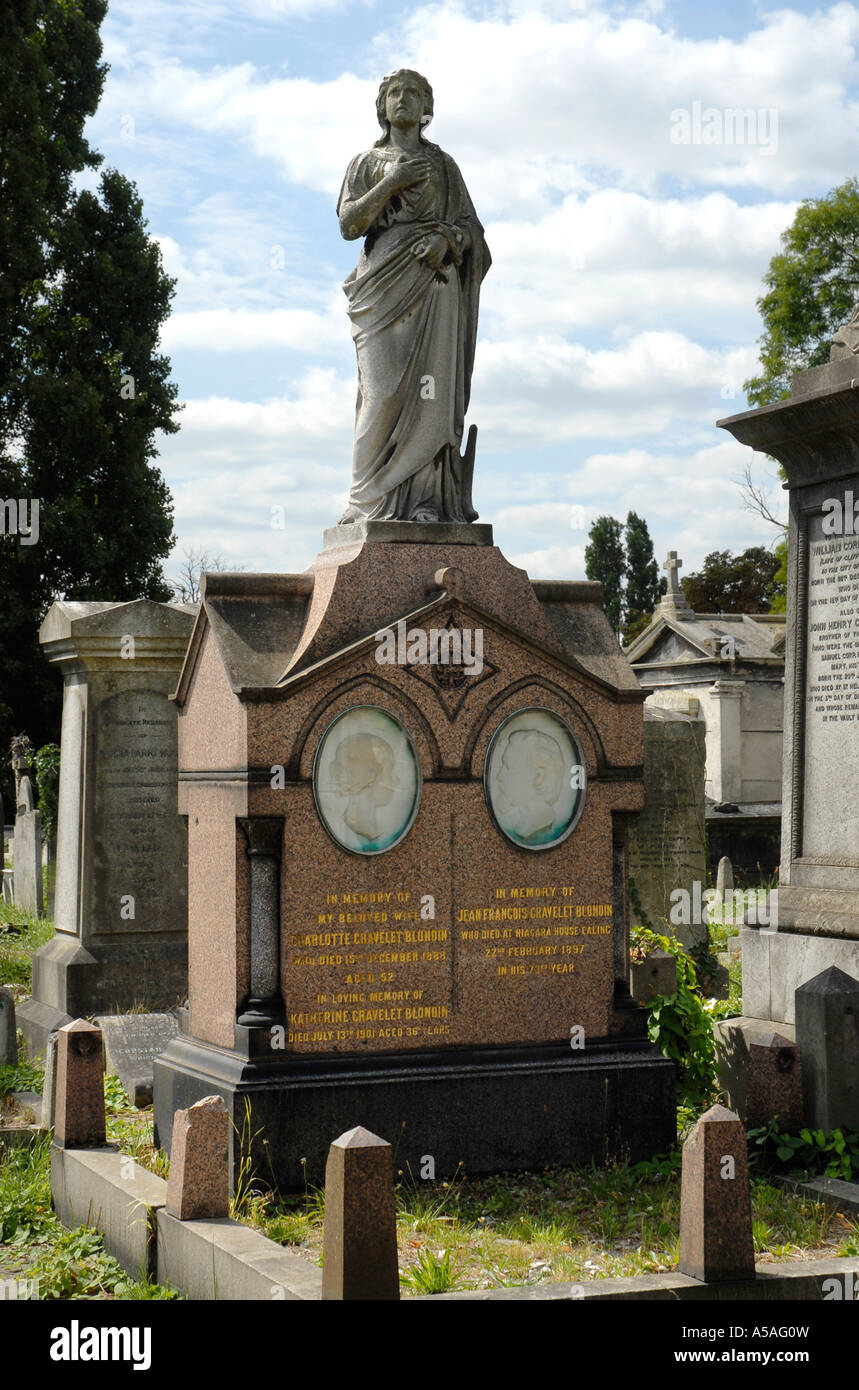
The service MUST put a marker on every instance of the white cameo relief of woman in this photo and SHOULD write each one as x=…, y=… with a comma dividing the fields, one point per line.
x=363, y=772
x=531, y=779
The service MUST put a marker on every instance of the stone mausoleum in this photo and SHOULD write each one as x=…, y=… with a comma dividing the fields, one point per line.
x=726, y=669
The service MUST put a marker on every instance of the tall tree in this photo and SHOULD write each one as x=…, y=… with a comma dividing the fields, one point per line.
x=812, y=289
x=605, y=560
x=83, y=390
x=726, y=583
x=644, y=587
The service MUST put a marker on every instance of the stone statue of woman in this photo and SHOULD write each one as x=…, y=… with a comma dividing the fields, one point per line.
x=413, y=300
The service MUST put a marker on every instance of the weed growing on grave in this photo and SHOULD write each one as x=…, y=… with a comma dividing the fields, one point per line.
x=432, y=1272
x=24, y=1077
x=850, y=1246
x=832, y=1154
x=680, y=1025
x=115, y=1099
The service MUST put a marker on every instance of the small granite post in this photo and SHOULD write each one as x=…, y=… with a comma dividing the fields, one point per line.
x=656, y=974
x=715, y=1201
x=827, y=1030
x=199, y=1183
x=774, y=1083
x=8, y=1036
x=79, y=1114
x=360, y=1239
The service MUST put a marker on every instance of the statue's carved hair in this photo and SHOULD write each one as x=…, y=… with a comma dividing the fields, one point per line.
x=382, y=98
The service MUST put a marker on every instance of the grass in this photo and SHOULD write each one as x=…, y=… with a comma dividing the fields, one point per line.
x=20, y=935
x=35, y=1246
x=560, y=1225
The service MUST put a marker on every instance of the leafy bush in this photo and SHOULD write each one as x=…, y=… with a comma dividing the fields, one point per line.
x=679, y=1023
x=832, y=1154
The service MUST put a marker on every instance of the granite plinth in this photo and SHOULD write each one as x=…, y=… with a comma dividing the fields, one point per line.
x=613, y=1100
x=408, y=533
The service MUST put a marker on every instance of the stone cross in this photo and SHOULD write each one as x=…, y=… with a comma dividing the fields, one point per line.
x=672, y=565
x=674, y=597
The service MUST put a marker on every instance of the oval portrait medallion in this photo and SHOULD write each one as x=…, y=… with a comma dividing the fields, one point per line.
x=534, y=779
x=366, y=780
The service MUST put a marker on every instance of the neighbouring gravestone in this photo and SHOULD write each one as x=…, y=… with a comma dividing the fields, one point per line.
x=667, y=852
x=27, y=852
x=131, y=1044
x=120, y=939
x=724, y=878
x=656, y=974
x=409, y=775
x=198, y=1186
x=715, y=1200
x=8, y=1033
x=814, y=435
x=359, y=1253
x=827, y=1030
x=49, y=1085
x=774, y=1084
x=79, y=1109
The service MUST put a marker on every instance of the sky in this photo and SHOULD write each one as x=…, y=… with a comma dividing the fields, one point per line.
x=630, y=210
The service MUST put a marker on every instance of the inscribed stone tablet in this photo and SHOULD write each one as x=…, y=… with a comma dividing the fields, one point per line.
x=534, y=779
x=366, y=780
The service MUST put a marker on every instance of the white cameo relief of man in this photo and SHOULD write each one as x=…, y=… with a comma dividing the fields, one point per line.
x=363, y=771
x=530, y=779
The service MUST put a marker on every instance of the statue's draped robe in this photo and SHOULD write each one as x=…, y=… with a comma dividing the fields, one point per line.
x=414, y=330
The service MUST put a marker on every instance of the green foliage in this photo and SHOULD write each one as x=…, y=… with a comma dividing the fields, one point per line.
x=644, y=588
x=82, y=302
x=779, y=584
x=24, y=1077
x=431, y=1273
x=606, y=562
x=812, y=285
x=47, y=765
x=114, y=1094
x=679, y=1023
x=833, y=1153
x=745, y=583
x=25, y=1193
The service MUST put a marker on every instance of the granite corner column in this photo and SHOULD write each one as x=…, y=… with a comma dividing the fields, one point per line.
x=263, y=1009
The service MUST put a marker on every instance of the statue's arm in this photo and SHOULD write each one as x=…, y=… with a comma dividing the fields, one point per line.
x=358, y=213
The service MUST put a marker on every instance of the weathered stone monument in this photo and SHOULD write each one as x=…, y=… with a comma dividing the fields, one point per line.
x=667, y=848
x=27, y=851
x=408, y=776
x=814, y=435
x=121, y=889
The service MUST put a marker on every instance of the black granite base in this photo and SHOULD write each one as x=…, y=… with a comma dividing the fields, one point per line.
x=489, y=1109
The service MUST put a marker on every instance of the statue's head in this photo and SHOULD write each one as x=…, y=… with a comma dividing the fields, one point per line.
x=382, y=99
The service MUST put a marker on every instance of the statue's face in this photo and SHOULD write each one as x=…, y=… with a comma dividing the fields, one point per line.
x=404, y=102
